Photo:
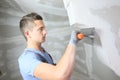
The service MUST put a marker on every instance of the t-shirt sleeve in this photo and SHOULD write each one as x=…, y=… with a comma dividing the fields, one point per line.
x=29, y=62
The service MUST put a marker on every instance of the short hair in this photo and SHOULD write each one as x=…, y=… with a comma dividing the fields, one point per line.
x=27, y=21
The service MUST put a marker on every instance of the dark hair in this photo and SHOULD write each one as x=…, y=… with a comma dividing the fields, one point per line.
x=27, y=21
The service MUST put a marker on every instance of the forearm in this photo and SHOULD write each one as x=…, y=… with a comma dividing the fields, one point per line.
x=66, y=63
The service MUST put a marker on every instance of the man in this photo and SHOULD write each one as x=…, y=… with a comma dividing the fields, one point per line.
x=35, y=63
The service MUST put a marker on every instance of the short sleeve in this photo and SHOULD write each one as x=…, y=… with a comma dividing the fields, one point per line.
x=29, y=62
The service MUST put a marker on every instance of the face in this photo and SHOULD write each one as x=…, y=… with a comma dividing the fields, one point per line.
x=38, y=33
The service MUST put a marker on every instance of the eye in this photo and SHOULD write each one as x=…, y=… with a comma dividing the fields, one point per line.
x=42, y=28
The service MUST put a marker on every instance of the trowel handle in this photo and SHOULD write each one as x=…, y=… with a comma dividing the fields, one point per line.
x=80, y=36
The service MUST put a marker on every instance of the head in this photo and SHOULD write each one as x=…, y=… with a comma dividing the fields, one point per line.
x=33, y=28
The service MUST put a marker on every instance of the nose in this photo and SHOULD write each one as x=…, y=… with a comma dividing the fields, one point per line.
x=45, y=32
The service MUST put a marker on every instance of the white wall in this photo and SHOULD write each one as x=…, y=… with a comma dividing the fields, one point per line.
x=104, y=16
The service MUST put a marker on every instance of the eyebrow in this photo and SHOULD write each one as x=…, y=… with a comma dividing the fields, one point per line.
x=41, y=27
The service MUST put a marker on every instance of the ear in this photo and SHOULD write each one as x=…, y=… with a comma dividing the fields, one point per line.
x=27, y=34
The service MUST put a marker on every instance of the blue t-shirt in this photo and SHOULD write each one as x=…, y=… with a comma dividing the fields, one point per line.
x=29, y=60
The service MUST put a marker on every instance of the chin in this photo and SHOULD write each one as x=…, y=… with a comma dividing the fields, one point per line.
x=43, y=40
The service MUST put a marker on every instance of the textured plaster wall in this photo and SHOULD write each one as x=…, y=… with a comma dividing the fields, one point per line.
x=103, y=15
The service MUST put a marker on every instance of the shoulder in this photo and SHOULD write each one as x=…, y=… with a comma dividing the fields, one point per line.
x=27, y=58
x=27, y=55
x=28, y=61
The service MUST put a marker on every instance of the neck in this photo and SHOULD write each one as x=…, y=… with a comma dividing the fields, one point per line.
x=34, y=45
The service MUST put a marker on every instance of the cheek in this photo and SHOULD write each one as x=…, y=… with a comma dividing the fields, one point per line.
x=34, y=35
x=38, y=35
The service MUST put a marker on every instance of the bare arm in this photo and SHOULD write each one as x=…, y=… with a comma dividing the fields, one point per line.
x=62, y=70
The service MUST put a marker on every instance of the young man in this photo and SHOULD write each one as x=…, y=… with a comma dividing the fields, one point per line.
x=35, y=63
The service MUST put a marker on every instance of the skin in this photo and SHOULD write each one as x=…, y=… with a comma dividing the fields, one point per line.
x=44, y=71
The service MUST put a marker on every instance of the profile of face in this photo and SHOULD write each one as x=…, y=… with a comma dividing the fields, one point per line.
x=38, y=32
